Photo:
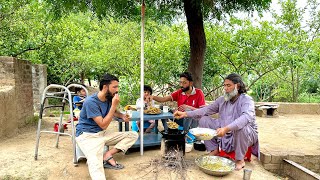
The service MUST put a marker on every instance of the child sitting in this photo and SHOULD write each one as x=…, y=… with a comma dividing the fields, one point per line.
x=79, y=98
x=151, y=123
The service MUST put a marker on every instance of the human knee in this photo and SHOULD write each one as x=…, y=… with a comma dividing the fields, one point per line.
x=133, y=134
x=242, y=133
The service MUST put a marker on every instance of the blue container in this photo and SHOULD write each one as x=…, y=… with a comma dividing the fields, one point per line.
x=190, y=138
x=134, y=125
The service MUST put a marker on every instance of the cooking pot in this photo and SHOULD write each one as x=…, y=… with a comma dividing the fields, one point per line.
x=198, y=145
x=179, y=134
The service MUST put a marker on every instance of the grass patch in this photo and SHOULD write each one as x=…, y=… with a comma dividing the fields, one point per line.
x=32, y=120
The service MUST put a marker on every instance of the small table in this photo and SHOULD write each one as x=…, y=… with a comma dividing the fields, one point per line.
x=149, y=139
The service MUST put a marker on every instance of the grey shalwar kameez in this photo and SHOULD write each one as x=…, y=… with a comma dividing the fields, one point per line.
x=239, y=116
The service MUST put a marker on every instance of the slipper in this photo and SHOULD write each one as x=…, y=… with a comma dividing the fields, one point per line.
x=106, y=164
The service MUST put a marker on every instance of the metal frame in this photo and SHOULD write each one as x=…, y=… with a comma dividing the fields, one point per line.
x=66, y=97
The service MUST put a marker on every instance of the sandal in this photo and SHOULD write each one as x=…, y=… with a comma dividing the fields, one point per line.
x=106, y=164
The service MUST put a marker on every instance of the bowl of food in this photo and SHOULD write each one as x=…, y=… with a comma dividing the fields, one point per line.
x=203, y=133
x=215, y=165
x=173, y=127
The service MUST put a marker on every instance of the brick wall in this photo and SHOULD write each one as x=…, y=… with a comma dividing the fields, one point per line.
x=23, y=90
x=273, y=161
x=16, y=94
x=39, y=83
x=6, y=71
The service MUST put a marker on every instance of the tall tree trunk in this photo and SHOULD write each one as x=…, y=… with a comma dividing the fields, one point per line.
x=197, y=36
x=89, y=81
x=82, y=77
x=297, y=86
x=292, y=84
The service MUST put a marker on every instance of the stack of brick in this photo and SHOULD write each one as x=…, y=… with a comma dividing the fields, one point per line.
x=274, y=161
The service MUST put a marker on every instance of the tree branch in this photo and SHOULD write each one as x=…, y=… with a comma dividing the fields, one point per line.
x=260, y=76
x=209, y=93
x=282, y=78
x=229, y=60
x=28, y=49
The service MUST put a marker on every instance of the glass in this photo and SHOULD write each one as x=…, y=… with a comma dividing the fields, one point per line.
x=129, y=113
x=165, y=109
x=246, y=174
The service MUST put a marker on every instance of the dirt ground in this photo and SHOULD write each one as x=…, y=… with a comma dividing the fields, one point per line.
x=286, y=133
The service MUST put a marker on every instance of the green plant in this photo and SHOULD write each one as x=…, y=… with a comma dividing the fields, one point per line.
x=32, y=120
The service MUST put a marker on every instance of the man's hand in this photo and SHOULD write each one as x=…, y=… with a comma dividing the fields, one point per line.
x=149, y=99
x=222, y=131
x=179, y=115
x=125, y=117
x=187, y=107
x=115, y=100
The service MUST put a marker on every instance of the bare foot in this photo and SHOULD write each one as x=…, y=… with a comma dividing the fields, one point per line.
x=214, y=152
x=240, y=164
x=148, y=130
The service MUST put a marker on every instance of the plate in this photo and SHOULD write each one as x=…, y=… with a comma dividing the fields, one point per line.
x=152, y=113
x=203, y=133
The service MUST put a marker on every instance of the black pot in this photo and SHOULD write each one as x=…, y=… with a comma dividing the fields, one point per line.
x=173, y=131
x=179, y=134
x=199, y=146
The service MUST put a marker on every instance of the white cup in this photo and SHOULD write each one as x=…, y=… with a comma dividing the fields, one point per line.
x=165, y=109
x=129, y=113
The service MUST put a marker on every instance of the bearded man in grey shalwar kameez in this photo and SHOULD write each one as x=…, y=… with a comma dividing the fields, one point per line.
x=236, y=124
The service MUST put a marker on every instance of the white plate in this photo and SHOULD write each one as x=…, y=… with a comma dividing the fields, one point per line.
x=203, y=133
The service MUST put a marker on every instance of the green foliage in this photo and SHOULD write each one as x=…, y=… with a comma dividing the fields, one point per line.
x=278, y=60
x=309, y=98
x=160, y=11
x=22, y=27
x=32, y=120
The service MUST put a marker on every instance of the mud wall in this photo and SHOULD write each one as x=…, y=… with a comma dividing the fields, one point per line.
x=296, y=108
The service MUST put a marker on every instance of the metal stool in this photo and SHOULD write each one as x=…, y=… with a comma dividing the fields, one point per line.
x=80, y=155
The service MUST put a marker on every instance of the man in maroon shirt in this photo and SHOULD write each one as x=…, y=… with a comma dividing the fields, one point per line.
x=187, y=97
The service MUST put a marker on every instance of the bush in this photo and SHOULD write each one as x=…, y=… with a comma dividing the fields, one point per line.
x=309, y=98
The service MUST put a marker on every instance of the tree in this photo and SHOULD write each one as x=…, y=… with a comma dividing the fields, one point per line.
x=165, y=11
x=295, y=47
x=17, y=20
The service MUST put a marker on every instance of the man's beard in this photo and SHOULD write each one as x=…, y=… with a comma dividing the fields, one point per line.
x=230, y=95
x=109, y=95
x=185, y=89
